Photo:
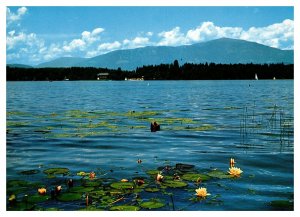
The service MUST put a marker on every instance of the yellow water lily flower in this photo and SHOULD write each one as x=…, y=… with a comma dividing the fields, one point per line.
x=236, y=172
x=201, y=192
x=81, y=174
x=159, y=177
x=42, y=191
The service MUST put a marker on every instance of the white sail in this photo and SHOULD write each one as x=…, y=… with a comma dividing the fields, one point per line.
x=256, y=78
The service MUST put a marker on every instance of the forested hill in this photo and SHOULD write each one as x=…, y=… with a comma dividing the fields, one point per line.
x=223, y=51
x=171, y=71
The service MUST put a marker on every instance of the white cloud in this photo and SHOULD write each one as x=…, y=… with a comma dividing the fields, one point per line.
x=13, y=17
x=136, y=42
x=22, y=39
x=87, y=39
x=278, y=35
x=109, y=46
x=172, y=38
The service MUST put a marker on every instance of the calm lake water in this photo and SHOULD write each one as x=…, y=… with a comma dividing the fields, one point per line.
x=105, y=127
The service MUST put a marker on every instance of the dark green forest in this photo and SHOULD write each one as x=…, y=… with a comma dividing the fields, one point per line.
x=173, y=71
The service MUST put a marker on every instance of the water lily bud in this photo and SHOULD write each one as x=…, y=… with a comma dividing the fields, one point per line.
x=232, y=162
x=12, y=199
x=70, y=183
x=139, y=182
x=58, y=189
x=159, y=177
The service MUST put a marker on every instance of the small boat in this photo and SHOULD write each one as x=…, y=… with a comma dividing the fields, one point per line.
x=256, y=78
x=274, y=78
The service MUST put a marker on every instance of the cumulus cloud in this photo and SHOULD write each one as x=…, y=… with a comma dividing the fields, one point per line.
x=87, y=38
x=208, y=31
x=278, y=35
x=14, y=39
x=13, y=17
x=136, y=42
x=109, y=46
x=172, y=38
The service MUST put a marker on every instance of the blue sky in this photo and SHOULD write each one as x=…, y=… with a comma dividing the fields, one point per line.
x=39, y=34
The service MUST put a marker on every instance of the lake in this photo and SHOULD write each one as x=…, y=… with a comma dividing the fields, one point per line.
x=104, y=127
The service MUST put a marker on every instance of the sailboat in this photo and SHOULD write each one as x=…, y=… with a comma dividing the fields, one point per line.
x=256, y=78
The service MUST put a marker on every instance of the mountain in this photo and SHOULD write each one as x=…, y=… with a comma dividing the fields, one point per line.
x=223, y=50
x=62, y=62
x=19, y=65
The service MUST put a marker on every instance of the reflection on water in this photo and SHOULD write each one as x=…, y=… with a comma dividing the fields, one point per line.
x=105, y=126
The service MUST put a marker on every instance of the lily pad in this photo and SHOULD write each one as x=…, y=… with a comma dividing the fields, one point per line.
x=122, y=185
x=152, y=204
x=125, y=208
x=193, y=177
x=81, y=189
x=37, y=198
x=282, y=205
x=29, y=172
x=56, y=171
x=14, y=183
x=21, y=206
x=69, y=197
x=152, y=172
x=219, y=174
x=90, y=208
x=151, y=190
x=174, y=184
x=92, y=184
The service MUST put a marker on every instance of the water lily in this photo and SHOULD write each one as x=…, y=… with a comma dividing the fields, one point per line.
x=232, y=162
x=236, y=172
x=58, y=189
x=201, y=192
x=42, y=191
x=139, y=182
x=92, y=175
x=124, y=180
x=12, y=199
x=81, y=174
x=159, y=177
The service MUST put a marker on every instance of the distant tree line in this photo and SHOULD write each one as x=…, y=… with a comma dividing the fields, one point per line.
x=188, y=71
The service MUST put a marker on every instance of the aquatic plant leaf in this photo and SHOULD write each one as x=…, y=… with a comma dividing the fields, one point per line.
x=282, y=205
x=94, y=183
x=91, y=208
x=125, y=208
x=194, y=177
x=56, y=171
x=151, y=190
x=21, y=206
x=69, y=197
x=17, y=183
x=219, y=174
x=152, y=204
x=81, y=189
x=37, y=198
x=122, y=185
x=174, y=183
x=29, y=172
x=152, y=172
